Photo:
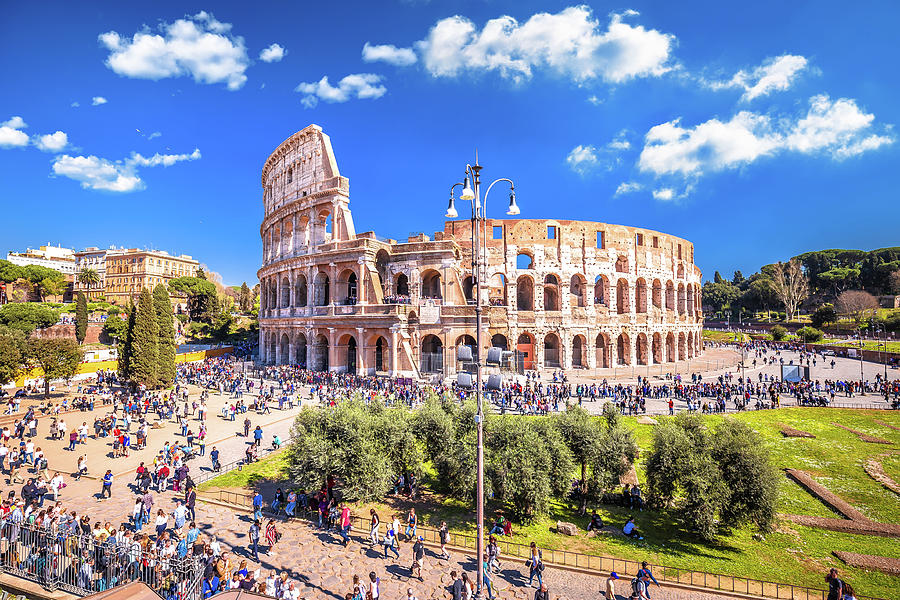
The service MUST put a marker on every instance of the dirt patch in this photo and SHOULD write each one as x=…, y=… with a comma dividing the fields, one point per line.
x=846, y=525
x=869, y=561
x=864, y=436
x=794, y=433
x=876, y=472
x=888, y=425
x=827, y=497
x=643, y=420
x=630, y=477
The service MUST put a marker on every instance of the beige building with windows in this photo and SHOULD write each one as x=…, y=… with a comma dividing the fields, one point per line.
x=557, y=294
x=129, y=271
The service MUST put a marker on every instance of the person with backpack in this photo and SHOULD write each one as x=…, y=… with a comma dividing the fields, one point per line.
x=639, y=587
x=106, y=489
x=418, y=549
x=254, y=539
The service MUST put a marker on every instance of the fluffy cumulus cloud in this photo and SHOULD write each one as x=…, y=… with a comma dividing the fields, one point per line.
x=273, y=53
x=52, y=142
x=628, y=187
x=356, y=85
x=120, y=176
x=665, y=194
x=571, y=43
x=11, y=134
x=774, y=75
x=198, y=46
x=388, y=53
x=582, y=159
x=98, y=100
x=836, y=128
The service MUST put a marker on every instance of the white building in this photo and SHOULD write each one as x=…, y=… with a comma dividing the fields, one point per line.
x=53, y=257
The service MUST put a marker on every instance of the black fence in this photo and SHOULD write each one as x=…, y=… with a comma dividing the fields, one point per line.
x=83, y=565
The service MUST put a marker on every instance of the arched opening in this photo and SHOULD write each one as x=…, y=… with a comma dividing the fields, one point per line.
x=401, y=285
x=551, y=293
x=300, y=290
x=670, y=296
x=623, y=302
x=285, y=354
x=469, y=289
x=578, y=358
x=524, y=261
x=681, y=299
x=382, y=258
x=466, y=340
x=682, y=347
x=640, y=295
x=670, y=347
x=380, y=354
x=498, y=340
x=601, y=290
x=577, y=290
x=271, y=343
x=321, y=290
x=601, y=351
x=272, y=295
x=690, y=299
x=285, y=293
x=320, y=353
x=300, y=351
x=431, y=284
x=680, y=271
x=551, y=351
x=690, y=344
x=657, y=348
x=347, y=350
x=621, y=264
x=497, y=291
x=432, y=359
x=642, y=350
x=623, y=349
x=525, y=348
x=346, y=289
x=657, y=293
x=525, y=293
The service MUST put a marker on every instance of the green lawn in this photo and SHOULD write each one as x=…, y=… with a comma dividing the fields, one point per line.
x=724, y=336
x=867, y=344
x=791, y=553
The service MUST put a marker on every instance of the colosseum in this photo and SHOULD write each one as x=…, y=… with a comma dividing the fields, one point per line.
x=558, y=294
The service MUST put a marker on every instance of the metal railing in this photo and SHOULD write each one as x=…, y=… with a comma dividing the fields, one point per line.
x=596, y=563
x=83, y=565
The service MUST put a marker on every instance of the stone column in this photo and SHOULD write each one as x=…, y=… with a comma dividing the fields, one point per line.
x=277, y=349
x=262, y=345
x=361, y=282
x=294, y=234
x=565, y=350
x=361, y=352
x=394, y=349
x=310, y=343
x=332, y=350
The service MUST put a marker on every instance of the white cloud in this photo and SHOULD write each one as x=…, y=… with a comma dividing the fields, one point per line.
x=628, y=188
x=120, y=176
x=582, y=159
x=838, y=128
x=356, y=85
x=620, y=142
x=153, y=135
x=198, y=46
x=98, y=100
x=401, y=57
x=665, y=194
x=10, y=134
x=75, y=104
x=775, y=74
x=595, y=100
x=52, y=142
x=570, y=43
x=273, y=53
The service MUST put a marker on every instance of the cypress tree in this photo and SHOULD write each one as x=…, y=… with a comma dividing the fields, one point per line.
x=125, y=352
x=165, y=372
x=145, y=342
x=81, y=318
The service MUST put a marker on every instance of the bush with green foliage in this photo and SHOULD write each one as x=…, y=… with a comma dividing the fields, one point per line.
x=201, y=296
x=715, y=480
x=115, y=327
x=27, y=316
x=13, y=352
x=810, y=335
x=57, y=357
x=823, y=315
x=779, y=333
x=365, y=447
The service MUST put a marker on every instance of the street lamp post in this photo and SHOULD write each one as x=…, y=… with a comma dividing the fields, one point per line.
x=473, y=195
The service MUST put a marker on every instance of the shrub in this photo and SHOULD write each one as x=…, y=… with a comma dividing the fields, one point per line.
x=779, y=333
x=823, y=315
x=27, y=316
x=809, y=335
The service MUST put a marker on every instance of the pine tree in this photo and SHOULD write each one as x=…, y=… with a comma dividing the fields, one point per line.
x=125, y=353
x=245, y=303
x=165, y=372
x=145, y=342
x=81, y=318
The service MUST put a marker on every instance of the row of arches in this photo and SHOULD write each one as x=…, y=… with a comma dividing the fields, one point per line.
x=287, y=236
x=525, y=262
x=319, y=354
x=299, y=294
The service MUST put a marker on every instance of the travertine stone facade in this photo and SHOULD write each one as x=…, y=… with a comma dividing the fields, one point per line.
x=569, y=294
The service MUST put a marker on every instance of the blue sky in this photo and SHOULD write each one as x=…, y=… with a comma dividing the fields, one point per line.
x=756, y=130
